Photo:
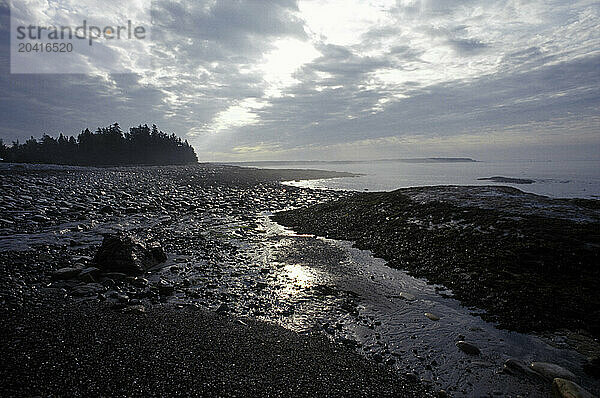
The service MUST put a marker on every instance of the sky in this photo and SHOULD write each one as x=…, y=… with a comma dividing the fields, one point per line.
x=335, y=80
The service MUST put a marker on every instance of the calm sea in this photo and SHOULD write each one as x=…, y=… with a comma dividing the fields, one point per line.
x=567, y=179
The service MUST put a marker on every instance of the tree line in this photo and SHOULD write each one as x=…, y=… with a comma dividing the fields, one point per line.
x=106, y=146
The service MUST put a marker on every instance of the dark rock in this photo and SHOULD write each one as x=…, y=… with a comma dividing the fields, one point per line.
x=123, y=253
x=89, y=274
x=89, y=289
x=115, y=276
x=107, y=210
x=65, y=273
x=467, y=348
x=122, y=298
x=139, y=282
x=592, y=367
x=165, y=288
x=223, y=308
x=40, y=218
x=515, y=367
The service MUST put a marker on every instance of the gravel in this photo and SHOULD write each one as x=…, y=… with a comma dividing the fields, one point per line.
x=88, y=349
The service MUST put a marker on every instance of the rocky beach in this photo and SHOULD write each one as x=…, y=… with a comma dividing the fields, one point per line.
x=218, y=280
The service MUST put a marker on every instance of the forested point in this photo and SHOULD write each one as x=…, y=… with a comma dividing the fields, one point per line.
x=142, y=145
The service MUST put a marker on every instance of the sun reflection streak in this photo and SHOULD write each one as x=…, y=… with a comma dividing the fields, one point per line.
x=296, y=278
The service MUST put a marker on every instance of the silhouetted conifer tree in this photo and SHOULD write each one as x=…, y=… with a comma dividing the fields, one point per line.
x=107, y=146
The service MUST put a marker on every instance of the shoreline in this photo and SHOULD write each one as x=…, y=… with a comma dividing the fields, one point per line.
x=224, y=256
x=521, y=270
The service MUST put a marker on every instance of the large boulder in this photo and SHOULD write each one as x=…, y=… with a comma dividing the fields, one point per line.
x=126, y=254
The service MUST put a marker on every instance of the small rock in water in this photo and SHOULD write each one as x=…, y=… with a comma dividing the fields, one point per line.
x=107, y=209
x=40, y=218
x=515, y=367
x=552, y=371
x=431, y=316
x=468, y=348
x=562, y=388
x=407, y=296
x=65, y=273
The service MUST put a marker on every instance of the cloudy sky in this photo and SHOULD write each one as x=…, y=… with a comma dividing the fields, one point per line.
x=347, y=79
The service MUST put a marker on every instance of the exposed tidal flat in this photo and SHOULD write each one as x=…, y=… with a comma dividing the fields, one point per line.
x=240, y=305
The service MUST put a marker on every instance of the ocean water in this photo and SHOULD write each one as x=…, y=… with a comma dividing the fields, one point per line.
x=567, y=179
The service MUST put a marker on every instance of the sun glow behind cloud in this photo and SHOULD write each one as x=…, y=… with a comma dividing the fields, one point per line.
x=279, y=65
x=343, y=22
x=241, y=114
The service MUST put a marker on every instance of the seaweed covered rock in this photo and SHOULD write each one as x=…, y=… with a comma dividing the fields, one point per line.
x=126, y=254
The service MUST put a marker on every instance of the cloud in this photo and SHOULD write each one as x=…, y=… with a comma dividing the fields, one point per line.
x=467, y=46
x=255, y=79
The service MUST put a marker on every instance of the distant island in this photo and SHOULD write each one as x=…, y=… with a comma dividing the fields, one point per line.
x=141, y=145
x=433, y=160
x=403, y=160
x=508, y=180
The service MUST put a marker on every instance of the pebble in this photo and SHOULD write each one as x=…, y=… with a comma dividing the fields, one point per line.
x=515, y=367
x=431, y=316
x=468, y=348
x=165, y=288
x=134, y=309
x=223, y=308
x=87, y=289
x=139, y=282
x=65, y=273
x=89, y=274
x=407, y=296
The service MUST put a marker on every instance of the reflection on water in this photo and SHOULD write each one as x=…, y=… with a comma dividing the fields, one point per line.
x=299, y=278
x=326, y=285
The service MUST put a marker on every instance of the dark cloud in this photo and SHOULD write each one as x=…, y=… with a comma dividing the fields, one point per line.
x=467, y=46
